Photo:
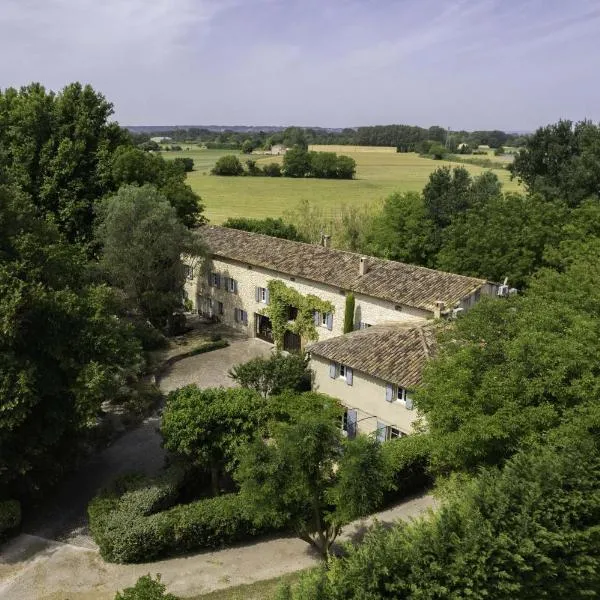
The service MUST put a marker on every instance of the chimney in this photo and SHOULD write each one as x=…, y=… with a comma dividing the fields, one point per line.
x=363, y=266
x=439, y=309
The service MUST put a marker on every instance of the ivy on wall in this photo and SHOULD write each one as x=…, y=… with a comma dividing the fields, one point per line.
x=281, y=297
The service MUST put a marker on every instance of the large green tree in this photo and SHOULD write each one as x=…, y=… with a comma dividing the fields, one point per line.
x=57, y=148
x=143, y=243
x=305, y=476
x=62, y=349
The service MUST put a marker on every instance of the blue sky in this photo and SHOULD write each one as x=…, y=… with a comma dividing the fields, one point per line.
x=511, y=64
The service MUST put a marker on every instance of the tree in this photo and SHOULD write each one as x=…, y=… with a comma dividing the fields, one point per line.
x=305, y=475
x=149, y=146
x=296, y=162
x=143, y=243
x=561, y=161
x=345, y=167
x=207, y=427
x=505, y=236
x=295, y=137
x=252, y=169
x=228, y=165
x=269, y=226
x=403, y=231
x=523, y=532
x=323, y=165
x=272, y=169
x=57, y=148
x=446, y=194
x=63, y=349
x=146, y=588
x=274, y=375
x=349, y=314
x=186, y=163
x=247, y=147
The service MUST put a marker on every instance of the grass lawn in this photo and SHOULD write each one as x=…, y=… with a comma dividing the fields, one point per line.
x=379, y=172
x=261, y=590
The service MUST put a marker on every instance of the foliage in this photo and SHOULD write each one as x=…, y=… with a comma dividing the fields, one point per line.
x=247, y=147
x=142, y=245
x=349, y=313
x=131, y=166
x=296, y=162
x=63, y=352
x=274, y=375
x=137, y=522
x=228, y=165
x=505, y=237
x=208, y=426
x=209, y=347
x=146, y=588
x=269, y=226
x=272, y=169
x=281, y=297
x=510, y=369
x=307, y=477
x=10, y=516
x=57, y=148
x=528, y=531
x=252, y=169
x=561, y=161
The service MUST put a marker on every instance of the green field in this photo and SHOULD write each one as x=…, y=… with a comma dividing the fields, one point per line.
x=379, y=173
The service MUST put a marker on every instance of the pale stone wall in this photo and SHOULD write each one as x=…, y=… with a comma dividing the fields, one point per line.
x=366, y=395
x=369, y=310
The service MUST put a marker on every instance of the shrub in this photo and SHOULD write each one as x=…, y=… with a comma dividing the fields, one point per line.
x=128, y=527
x=209, y=346
x=10, y=516
x=186, y=163
x=228, y=165
x=146, y=588
x=272, y=170
x=408, y=460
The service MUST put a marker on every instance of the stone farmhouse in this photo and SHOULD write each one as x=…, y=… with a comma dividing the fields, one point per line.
x=371, y=370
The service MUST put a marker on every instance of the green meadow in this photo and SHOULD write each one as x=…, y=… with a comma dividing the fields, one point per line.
x=379, y=172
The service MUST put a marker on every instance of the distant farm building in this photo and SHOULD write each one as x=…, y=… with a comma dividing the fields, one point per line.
x=278, y=149
x=161, y=139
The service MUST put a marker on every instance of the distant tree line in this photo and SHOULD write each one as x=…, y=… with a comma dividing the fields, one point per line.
x=405, y=138
x=297, y=162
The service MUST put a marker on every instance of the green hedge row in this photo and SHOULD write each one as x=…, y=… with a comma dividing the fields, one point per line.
x=131, y=523
x=10, y=516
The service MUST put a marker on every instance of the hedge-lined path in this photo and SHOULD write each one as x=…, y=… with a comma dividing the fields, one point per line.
x=63, y=571
x=63, y=517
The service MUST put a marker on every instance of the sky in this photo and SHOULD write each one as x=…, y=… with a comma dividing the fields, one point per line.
x=465, y=64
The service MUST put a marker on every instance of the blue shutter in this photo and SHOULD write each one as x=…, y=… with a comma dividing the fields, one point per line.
x=236, y=314
x=257, y=294
x=245, y=317
x=234, y=286
x=351, y=421
x=332, y=370
x=317, y=318
x=409, y=402
x=349, y=376
x=329, y=321
x=380, y=431
x=389, y=392
x=267, y=296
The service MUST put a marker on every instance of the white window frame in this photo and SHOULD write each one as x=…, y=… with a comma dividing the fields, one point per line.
x=341, y=369
x=401, y=395
x=392, y=432
x=345, y=422
x=231, y=285
x=324, y=319
x=263, y=295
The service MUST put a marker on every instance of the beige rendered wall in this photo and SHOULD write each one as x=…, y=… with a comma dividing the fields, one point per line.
x=366, y=395
x=248, y=277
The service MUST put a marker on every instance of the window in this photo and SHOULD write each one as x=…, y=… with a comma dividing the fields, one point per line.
x=324, y=319
x=393, y=433
x=342, y=371
x=263, y=295
x=231, y=285
x=241, y=316
x=220, y=307
x=345, y=421
x=214, y=279
x=210, y=303
x=363, y=325
x=189, y=271
x=292, y=312
x=401, y=394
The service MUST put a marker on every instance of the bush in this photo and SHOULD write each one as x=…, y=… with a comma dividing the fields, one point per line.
x=209, y=346
x=146, y=588
x=228, y=165
x=186, y=163
x=272, y=170
x=408, y=460
x=150, y=337
x=10, y=516
x=128, y=526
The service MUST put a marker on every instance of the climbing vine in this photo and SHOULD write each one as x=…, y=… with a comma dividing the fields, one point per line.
x=280, y=298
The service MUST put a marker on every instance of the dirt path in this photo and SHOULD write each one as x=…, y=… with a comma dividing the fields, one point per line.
x=64, y=571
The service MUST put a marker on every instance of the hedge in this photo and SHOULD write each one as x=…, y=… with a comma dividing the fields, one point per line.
x=128, y=527
x=408, y=460
x=10, y=516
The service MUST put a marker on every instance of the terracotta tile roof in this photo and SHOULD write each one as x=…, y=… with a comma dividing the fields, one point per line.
x=395, y=352
x=395, y=282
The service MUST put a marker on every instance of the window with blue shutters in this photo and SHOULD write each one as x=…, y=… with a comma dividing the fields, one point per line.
x=381, y=432
x=332, y=370
x=389, y=392
x=329, y=321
